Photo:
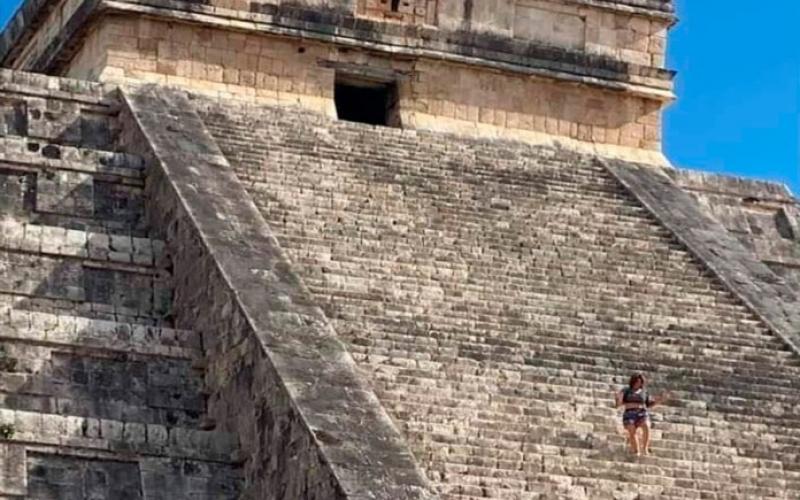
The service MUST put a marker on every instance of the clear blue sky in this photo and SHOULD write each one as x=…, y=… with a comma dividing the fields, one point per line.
x=738, y=86
x=738, y=108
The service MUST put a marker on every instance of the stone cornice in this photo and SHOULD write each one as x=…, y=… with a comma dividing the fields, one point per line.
x=665, y=12
x=21, y=27
x=655, y=8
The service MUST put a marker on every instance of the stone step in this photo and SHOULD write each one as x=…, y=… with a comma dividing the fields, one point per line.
x=113, y=312
x=663, y=356
x=763, y=438
x=496, y=293
x=525, y=285
x=551, y=243
x=92, y=189
x=58, y=472
x=584, y=416
x=543, y=212
x=728, y=449
x=143, y=389
x=428, y=268
x=690, y=400
x=683, y=339
x=543, y=336
x=59, y=116
x=32, y=155
x=536, y=176
x=672, y=342
x=95, y=335
x=55, y=241
x=409, y=359
x=735, y=443
x=574, y=327
x=79, y=284
x=576, y=482
x=543, y=313
x=601, y=386
x=625, y=468
x=128, y=439
x=659, y=351
x=609, y=372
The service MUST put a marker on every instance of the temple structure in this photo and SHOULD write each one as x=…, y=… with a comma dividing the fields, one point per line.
x=377, y=249
x=588, y=71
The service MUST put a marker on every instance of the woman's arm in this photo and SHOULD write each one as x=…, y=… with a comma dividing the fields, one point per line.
x=618, y=398
x=661, y=398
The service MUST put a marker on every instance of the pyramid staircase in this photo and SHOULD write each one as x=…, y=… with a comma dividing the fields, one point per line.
x=496, y=293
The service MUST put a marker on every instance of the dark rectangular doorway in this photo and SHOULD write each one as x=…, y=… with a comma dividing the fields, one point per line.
x=366, y=101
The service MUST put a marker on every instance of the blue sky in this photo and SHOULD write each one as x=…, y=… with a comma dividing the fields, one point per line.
x=738, y=86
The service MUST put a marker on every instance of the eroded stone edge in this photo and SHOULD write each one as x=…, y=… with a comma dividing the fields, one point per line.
x=765, y=293
x=343, y=418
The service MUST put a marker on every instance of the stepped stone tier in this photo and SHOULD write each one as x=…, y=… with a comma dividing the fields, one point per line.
x=100, y=396
x=377, y=250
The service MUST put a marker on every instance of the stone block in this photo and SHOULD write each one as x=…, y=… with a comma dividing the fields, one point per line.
x=13, y=477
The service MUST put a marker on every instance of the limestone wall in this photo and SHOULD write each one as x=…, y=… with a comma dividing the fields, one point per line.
x=635, y=38
x=585, y=70
x=632, y=35
x=764, y=216
x=433, y=94
x=50, y=28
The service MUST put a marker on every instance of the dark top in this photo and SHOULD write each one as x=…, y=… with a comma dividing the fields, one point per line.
x=639, y=396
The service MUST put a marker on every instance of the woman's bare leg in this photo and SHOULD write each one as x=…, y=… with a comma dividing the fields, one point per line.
x=633, y=441
x=645, y=437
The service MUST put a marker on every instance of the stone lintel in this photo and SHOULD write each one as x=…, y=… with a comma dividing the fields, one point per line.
x=738, y=268
x=470, y=48
x=281, y=379
x=366, y=71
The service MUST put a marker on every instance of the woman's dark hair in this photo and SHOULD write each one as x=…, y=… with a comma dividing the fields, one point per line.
x=634, y=378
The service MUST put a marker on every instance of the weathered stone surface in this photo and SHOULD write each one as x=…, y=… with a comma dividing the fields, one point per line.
x=496, y=292
x=763, y=216
x=588, y=70
x=13, y=478
x=70, y=478
x=99, y=397
x=479, y=33
x=767, y=294
x=278, y=376
x=478, y=298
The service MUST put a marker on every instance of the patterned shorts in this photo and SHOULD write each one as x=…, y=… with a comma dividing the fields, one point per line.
x=635, y=417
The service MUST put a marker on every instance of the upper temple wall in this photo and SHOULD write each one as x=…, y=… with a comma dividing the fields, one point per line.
x=586, y=70
x=638, y=39
x=629, y=31
x=620, y=29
